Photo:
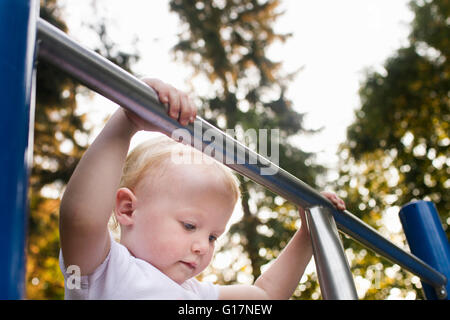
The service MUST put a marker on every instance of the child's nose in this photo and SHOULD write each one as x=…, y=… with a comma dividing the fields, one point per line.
x=200, y=246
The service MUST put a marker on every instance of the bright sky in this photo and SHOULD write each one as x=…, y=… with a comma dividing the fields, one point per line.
x=333, y=41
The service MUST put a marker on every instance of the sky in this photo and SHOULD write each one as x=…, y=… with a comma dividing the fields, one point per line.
x=333, y=43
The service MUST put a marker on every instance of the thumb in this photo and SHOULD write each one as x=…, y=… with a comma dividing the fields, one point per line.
x=302, y=214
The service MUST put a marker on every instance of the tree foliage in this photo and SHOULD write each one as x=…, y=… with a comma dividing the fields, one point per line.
x=398, y=147
x=226, y=43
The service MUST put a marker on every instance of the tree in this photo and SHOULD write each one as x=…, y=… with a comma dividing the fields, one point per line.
x=397, y=149
x=60, y=138
x=226, y=43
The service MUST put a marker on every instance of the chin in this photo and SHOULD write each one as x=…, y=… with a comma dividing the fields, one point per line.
x=180, y=281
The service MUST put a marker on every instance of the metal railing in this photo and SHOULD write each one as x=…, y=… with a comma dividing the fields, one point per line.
x=335, y=279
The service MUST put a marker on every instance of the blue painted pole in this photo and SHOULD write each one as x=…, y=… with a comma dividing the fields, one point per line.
x=18, y=20
x=428, y=241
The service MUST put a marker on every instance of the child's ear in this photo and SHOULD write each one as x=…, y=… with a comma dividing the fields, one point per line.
x=125, y=206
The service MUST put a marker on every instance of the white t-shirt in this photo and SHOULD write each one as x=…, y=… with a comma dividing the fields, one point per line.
x=122, y=276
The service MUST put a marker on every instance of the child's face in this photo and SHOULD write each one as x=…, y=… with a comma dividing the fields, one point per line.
x=178, y=217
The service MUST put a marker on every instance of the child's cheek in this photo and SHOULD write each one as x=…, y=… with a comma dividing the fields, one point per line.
x=167, y=248
x=207, y=260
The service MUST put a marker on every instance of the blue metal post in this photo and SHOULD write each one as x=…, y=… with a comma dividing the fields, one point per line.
x=18, y=20
x=428, y=241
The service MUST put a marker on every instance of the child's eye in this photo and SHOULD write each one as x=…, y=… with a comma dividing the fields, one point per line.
x=188, y=226
x=212, y=238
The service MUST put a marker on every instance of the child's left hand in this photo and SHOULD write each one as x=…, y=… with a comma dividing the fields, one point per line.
x=338, y=202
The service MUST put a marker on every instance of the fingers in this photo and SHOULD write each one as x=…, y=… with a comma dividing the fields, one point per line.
x=174, y=103
x=338, y=202
x=160, y=88
x=302, y=213
x=194, y=111
x=341, y=204
x=185, y=109
x=179, y=106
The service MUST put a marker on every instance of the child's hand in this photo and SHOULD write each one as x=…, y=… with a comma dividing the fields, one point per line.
x=338, y=202
x=179, y=106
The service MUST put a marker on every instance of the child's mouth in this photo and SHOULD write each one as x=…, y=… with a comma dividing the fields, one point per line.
x=190, y=265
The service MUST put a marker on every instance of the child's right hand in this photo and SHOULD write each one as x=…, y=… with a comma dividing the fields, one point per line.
x=179, y=106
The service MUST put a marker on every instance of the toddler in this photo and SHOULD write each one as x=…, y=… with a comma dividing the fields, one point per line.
x=170, y=216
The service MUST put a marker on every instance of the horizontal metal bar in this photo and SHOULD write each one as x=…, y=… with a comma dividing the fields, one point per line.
x=109, y=80
x=335, y=279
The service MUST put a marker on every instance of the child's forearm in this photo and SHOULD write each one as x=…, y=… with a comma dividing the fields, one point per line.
x=89, y=196
x=283, y=276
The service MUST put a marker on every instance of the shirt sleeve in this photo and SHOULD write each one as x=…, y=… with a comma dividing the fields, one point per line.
x=77, y=287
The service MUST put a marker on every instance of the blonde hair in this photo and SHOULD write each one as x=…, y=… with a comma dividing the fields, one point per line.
x=154, y=155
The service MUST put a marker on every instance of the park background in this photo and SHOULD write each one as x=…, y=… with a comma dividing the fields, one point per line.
x=358, y=89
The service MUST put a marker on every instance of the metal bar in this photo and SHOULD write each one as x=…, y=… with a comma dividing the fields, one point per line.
x=370, y=238
x=427, y=239
x=335, y=278
x=17, y=47
x=101, y=75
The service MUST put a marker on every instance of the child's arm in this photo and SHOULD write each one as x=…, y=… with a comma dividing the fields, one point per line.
x=281, y=279
x=88, y=200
